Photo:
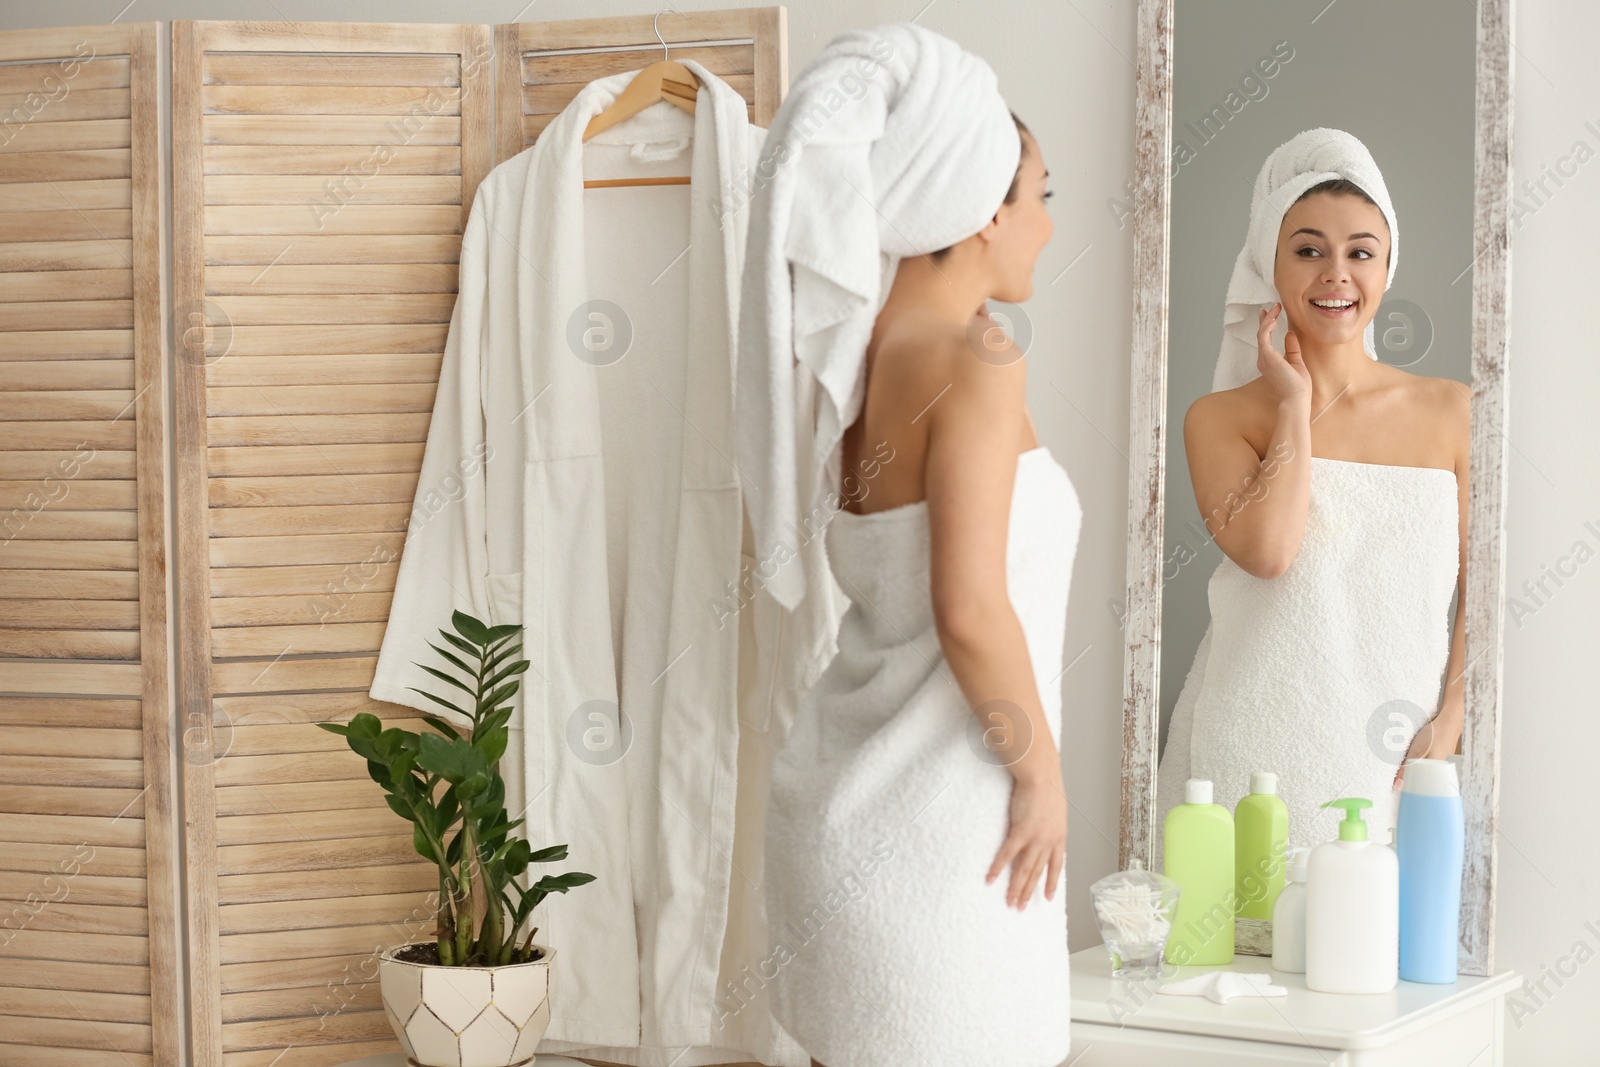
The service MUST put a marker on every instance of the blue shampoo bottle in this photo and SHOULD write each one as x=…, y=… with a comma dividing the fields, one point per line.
x=1429, y=841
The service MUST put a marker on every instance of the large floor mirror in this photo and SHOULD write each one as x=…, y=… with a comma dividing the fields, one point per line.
x=1333, y=676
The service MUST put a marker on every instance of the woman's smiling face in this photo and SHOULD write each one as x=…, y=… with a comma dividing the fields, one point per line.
x=1332, y=249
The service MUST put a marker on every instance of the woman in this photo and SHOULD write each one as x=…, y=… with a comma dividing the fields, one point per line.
x=1336, y=487
x=916, y=828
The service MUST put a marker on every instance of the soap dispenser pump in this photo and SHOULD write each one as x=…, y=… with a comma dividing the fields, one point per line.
x=1352, y=909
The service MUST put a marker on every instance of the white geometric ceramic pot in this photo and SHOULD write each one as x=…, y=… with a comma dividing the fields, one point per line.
x=467, y=1016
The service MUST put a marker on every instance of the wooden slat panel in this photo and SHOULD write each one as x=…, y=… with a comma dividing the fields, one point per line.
x=71, y=976
x=41, y=1056
x=63, y=525
x=84, y=493
x=37, y=465
x=93, y=679
x=306, y=826
x=65, y=164
x=123, y=832
x=86, y=948
x=340, y=99
x=79, y=136
x=406, y=427
x=69, y=615
x=106, y=72
x=333, y=1025
x=105, y=1038
x=94, y=889
x=268, y=610
x=56, y=713
x=409, y=877
x=330, y=581
x=238, y=521
x=76, y=584
x=106, y=860
x=296, y=977
x=304, y=397
x=39, y=196
x=302, y=416
x=316, y=548
x=68, y=374
x=289, y=799
x=223, y=68
x=275, y=640
x=325, y=129
x=51, y=1004
x=311, y=1055
x=85, y=771
x=53, y=741
x=66, y=800
x=71, y=644
x=321, y=459
x=340, y=854
x=71, y=556
x=312, y=400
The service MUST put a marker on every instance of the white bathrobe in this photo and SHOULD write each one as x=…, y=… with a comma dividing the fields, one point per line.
x=578, y=478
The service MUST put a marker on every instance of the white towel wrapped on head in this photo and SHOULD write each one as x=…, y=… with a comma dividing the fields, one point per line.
x=1309, y=158
x=893, y=142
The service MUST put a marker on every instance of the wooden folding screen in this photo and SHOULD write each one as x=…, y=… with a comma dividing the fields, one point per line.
x=322, y=176
x=89, y=954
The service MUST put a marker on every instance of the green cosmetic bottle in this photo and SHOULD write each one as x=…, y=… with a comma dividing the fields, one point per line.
x=1260, y=842
x=1197, y=841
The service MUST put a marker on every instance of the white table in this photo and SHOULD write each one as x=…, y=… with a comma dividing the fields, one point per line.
x=1122, y=1023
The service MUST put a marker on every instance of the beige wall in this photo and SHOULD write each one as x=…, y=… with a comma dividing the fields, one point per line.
x=1066, y=69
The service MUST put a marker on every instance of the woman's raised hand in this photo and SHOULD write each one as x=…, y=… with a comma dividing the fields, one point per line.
x=1284, y=371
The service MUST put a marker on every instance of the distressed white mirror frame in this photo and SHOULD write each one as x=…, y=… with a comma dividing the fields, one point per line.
x=1485, y=590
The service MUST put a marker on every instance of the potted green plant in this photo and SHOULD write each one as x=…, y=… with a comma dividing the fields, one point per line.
x=477, y=995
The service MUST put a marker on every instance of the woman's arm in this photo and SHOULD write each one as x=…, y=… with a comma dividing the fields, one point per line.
x=1440, y=737
x=974, y=438
x=970, y=472
x=1255, y=506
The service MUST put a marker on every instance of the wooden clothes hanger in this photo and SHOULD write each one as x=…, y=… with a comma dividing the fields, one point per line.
x=665, y=79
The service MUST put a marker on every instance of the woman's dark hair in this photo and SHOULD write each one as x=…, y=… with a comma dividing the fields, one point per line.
x=1344, y=187
x=1016, y=179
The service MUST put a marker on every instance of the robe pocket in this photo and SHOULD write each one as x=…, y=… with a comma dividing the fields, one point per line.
x=505, y=598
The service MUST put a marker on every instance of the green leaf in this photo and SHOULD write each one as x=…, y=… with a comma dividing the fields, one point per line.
x=494, y=698
x=500, y=656
x=466, y=646
x=452, y=852
x=400, y=808
x=560, y=883
x=365, y=723
x=452, y=679
x=420, y=842
x=493, y=746
x=549, y=855
x=389, y=744
x=450, y=760
x=470, y=628
x=335, y=728
x=516, y=668
x=468, y=671
x=440, y=700
x=443, y=727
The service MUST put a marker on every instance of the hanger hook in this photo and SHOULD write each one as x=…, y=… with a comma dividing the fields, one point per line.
x=655, y=25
